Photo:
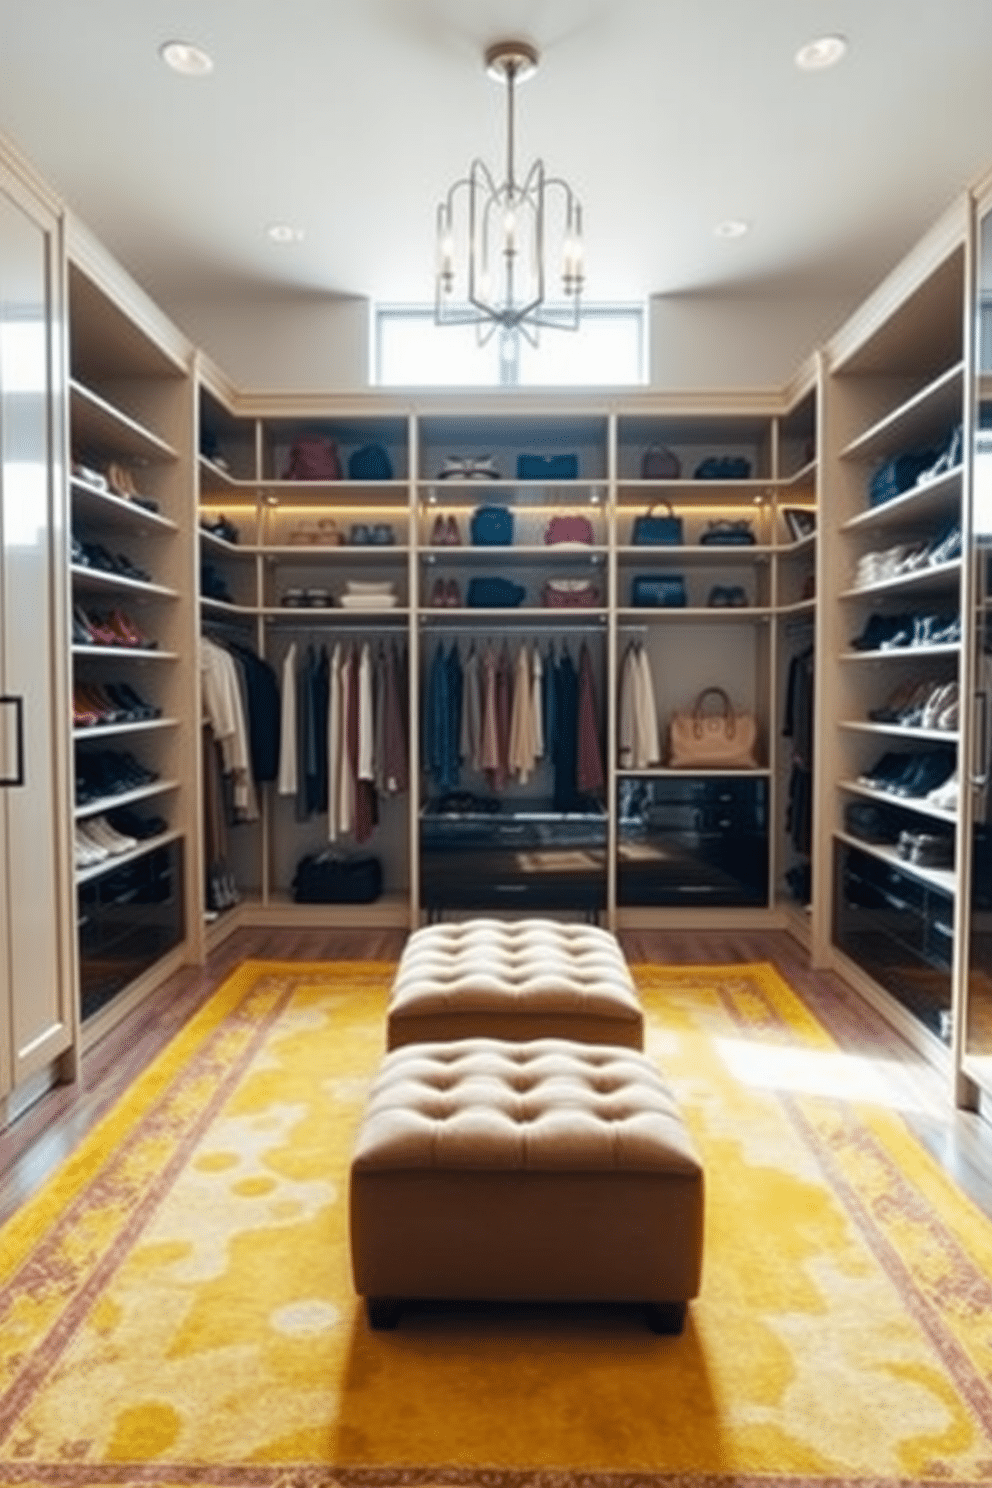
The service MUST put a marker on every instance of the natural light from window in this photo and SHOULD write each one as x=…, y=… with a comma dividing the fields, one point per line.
x=608, y=350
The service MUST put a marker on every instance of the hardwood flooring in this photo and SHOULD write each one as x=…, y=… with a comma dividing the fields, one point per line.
x=44, y=1136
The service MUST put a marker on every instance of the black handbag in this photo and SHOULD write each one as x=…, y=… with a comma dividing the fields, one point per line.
x=494, y=594
x=491, y=527
x=325, y=878
x=725, y=534
x=650, y=531
x=658, y=591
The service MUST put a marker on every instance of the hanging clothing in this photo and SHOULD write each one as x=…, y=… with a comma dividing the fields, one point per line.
x=590, y=775
x=565, y=749
x=638, y=742
x=286, y=783
x=522, y=745
x=224, y=710
x=394, y=759
x=442, y=718
x=537, y=702
x=470, y=743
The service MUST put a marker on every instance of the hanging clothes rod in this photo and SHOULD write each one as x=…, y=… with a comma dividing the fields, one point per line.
x=336, y=627
x=485, y=628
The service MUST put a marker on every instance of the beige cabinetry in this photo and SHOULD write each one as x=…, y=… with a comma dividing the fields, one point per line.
x=134, y=669
x=37, y=1016
x=898, y=691
x=506, y=534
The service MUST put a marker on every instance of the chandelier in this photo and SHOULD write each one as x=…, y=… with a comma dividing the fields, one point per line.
x=495, y=238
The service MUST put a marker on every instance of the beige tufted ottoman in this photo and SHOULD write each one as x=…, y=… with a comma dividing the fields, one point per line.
x=549, y=1171
x=522, y=979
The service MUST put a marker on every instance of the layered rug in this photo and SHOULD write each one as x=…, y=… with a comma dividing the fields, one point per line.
x=176, y=1305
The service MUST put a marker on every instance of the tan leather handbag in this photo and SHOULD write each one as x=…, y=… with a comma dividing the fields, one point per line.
x=706, y=739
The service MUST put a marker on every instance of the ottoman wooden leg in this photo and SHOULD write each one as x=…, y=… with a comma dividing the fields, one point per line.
x=666, y=1317
x=383, y=1312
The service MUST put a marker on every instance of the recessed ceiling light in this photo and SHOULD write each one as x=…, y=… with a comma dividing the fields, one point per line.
x=184, y=57
x=283, y=232
x=825, y=51
x=732, y=228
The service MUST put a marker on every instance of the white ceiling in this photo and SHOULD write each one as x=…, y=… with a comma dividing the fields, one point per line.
x=350, y=118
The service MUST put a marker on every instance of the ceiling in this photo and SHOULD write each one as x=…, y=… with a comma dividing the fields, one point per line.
x=349, y=119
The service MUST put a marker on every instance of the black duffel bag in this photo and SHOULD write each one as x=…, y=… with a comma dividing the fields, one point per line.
x=328, y=878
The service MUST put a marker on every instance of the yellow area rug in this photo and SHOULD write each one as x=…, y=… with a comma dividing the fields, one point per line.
x=176, y=1305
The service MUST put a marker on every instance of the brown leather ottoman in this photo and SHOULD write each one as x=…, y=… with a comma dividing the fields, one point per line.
x=523, y=979
x=549, y=1170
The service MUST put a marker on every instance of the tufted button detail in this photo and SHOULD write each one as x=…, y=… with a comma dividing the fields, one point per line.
x=474, y=978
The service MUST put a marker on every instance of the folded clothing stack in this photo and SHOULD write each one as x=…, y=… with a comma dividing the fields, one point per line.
x=363, y=595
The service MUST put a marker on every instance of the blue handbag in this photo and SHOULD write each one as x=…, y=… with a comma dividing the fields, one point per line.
x=547, y=467
x=491, y=527
x=370, y=463
x=658, y=591
x=494, y=594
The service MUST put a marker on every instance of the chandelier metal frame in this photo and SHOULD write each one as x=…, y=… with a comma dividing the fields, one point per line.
x=501, y=228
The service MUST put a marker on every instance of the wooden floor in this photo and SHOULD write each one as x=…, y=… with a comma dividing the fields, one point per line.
x=34, y=1146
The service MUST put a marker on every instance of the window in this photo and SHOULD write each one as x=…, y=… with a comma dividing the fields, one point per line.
x=409, y=350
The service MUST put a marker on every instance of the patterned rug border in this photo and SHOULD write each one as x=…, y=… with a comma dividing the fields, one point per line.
x=168, y=1475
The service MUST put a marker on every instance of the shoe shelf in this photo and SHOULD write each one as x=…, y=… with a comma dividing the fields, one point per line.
x=903, y=653
x=631, y=617
x=901, y=731
x=93, y=731
x=117, y=512
x=98, y=580
x=920, y=581
x=925, y=417
x=918, y=804
x=797, y=608
x=99, y=806
x=121, y=860
x=98, y=425
x=922, y=503
x=937, y=878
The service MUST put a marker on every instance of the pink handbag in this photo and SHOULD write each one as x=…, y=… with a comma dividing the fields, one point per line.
x=569, y=530
x=570, y=594
x=313, y=458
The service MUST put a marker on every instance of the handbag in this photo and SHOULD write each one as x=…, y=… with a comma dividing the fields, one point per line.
x=660, y=463
x=469, y=467
x=569, y=530
x=723, y=467
x=370, y=463
x=324, y=878
x=725, y=534
x=704, y=740
x=547, y=467
x=650, y=531
x=491, y=527
x=570, y=594
x=494, y=594
x=314, y=457
x=658, y=591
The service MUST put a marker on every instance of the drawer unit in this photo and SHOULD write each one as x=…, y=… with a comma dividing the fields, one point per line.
x=900, y=929
x=522, y=856
x=693, y=839
x=128, y=918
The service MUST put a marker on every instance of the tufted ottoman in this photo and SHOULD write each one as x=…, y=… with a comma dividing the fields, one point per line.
x=522, y=979
x=548, y=1170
